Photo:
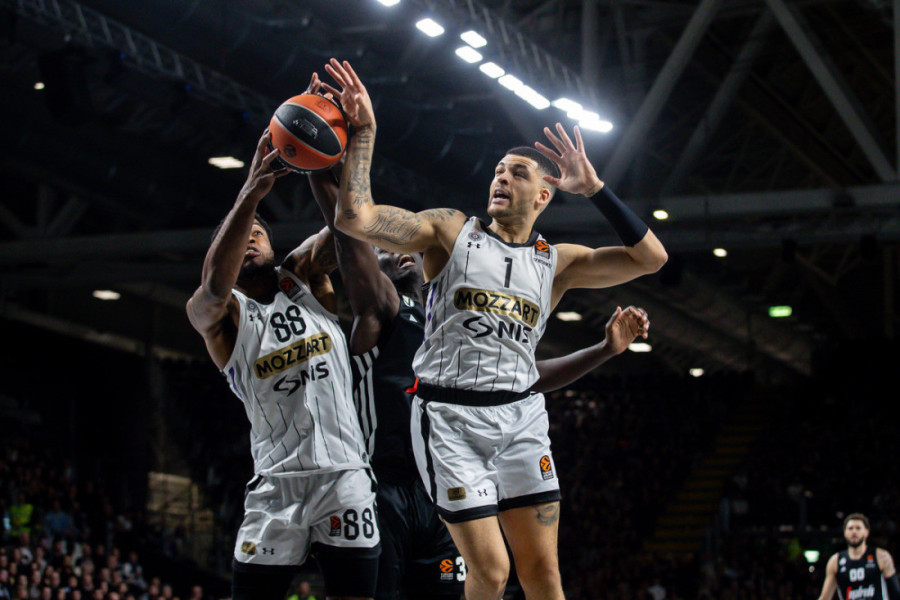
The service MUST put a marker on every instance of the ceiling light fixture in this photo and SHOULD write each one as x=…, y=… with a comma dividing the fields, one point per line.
x=106, y=295
x=226, y=162
x=510, y=82
x=492, y=70
x=568, y=315
x=473, y=38
x=470, y=55
x=430, y=27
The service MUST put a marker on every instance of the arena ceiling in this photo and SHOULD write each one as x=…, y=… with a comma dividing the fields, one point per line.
x=764, y=127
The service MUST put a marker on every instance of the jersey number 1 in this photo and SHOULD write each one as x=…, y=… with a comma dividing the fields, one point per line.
x=508, y=260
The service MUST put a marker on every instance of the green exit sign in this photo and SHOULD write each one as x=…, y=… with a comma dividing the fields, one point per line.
x=780, y=311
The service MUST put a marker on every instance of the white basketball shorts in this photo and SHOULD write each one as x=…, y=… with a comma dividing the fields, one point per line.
x=476, y=461
x=284, y=516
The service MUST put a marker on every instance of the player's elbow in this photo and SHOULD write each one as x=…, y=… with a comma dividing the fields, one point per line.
x=660, y=258
x=348, y=222
x=654, y=261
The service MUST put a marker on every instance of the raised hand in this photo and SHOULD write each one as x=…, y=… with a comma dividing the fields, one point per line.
x=262, y=177
x=577, y=175
x=353, y=96
x=314, y=84
x=625, y=326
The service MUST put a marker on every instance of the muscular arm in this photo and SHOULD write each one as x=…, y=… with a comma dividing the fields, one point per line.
x=583, y=267
x=556, y=373
x=621, y=329
x=389, y=227
x=889, y=572
x=212, y=310
x=829, y=587
x=372, y=296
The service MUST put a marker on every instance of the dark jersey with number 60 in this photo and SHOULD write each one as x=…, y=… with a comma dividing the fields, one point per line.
x=860, y=579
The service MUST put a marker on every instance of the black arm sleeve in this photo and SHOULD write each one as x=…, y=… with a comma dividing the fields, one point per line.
x=893, y=585
x=627, y=225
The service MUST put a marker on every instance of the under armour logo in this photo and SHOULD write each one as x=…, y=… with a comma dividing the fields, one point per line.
x=268, y=550
x=482, y=492
x=476, y=245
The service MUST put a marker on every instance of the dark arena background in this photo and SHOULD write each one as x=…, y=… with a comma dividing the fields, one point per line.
x=758, y=138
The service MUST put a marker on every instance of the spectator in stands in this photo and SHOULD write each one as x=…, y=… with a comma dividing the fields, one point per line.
x=58, y=523
x=20, y=515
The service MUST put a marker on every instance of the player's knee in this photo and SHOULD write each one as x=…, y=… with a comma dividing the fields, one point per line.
x=493, y=574
x=540, y=572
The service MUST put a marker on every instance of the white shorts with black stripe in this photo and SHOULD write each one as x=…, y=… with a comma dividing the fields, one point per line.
x=285, y=516
x=476, y=461
x=364, y=395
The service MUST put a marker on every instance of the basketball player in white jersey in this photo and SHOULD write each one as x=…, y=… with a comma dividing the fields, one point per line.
x=480, y=435
x=273, y=333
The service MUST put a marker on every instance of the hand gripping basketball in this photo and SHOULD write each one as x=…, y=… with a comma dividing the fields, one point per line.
x=309, y=131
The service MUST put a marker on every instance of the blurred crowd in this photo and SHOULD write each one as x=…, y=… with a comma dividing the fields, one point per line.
x=62, y=540
x=623, y=446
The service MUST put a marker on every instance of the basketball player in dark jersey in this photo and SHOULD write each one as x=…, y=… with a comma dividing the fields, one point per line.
x=861, y=572
x=419, y=559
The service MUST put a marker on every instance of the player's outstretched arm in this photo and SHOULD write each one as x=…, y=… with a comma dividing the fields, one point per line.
x=372, y=296
x=623, y=327
x=889, y=572
x=389, y=227
x=209, y=305
x=829, y=587
x=579, y=266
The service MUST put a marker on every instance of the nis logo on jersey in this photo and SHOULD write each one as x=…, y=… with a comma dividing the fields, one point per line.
x=298, y=352
x=497, y=303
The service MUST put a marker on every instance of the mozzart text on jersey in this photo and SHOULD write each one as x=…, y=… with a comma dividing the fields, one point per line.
x=287, y=357
x=497, y=303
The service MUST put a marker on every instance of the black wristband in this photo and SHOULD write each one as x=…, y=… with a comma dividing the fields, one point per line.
x=893, y=586
x=627, y=225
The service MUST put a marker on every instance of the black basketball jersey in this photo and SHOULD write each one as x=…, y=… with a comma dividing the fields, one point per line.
x=860, y=579
x=385, y=420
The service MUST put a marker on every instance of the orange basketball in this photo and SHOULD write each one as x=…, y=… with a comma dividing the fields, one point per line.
x=310, y=133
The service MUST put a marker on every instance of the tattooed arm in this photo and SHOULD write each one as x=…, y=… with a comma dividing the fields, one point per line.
x=394, y=229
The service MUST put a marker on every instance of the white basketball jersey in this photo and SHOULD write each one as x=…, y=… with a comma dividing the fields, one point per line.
x=486, y=312
x=290, y=367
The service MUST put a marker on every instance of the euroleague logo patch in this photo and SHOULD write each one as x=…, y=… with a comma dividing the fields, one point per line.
x=290, y=151
x=289, y=287
x=546, y=467
x=446, y=567
x=542, y=253
x=335, y=526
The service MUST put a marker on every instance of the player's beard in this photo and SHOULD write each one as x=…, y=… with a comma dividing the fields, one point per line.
x=252, y=271
x=857, y=544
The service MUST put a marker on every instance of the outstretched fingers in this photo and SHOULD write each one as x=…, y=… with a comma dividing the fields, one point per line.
x=568, y=145
x=337, y=72
x=357, y=82
x=558, y=143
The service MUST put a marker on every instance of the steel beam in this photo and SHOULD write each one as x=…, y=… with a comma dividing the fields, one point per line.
x=840, y=95
x=637, y=131
x=92, y=28
x=723, y=100
x=897, y=78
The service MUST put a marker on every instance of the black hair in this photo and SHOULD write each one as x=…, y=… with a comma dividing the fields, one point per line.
x=256, y=217
x=545, y=165
x=856, y=517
